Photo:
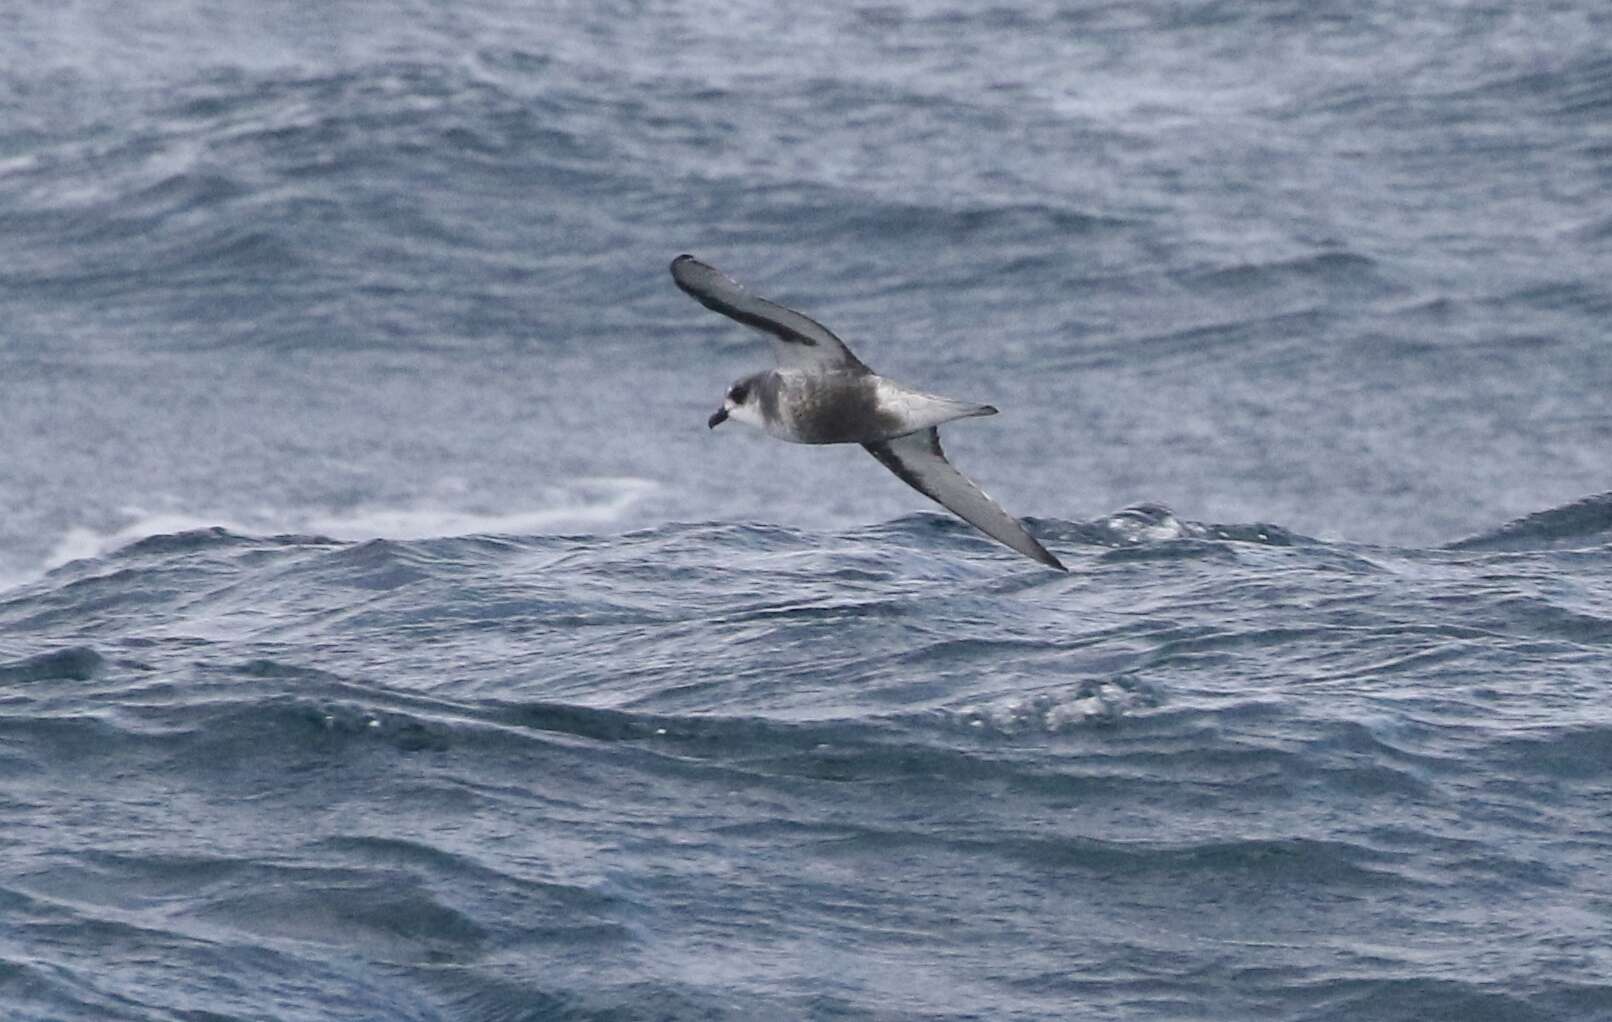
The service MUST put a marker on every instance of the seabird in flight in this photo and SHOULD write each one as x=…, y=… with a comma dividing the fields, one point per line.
x=823, y=394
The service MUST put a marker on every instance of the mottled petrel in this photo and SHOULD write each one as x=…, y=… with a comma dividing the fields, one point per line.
x=822, y=394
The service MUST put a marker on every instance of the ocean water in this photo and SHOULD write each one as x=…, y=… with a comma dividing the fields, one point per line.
x=383, y=635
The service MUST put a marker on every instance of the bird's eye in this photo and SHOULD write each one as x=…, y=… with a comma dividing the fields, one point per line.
x=738, y=393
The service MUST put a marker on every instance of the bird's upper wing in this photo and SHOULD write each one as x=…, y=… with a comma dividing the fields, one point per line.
x=802, y=342
x=920, y=463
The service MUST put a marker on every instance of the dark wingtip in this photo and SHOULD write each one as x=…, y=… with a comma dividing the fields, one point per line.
x=1040, y=552
x=683, y=268
x=693, y=277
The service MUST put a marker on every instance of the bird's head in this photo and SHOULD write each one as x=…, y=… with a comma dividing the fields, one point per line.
x=742, y=403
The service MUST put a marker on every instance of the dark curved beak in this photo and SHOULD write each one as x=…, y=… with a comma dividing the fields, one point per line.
x=717, y=419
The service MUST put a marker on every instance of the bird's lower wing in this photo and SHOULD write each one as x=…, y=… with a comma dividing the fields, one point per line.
x=920, y=463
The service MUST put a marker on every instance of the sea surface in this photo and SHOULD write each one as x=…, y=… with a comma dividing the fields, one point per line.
x=383, y=635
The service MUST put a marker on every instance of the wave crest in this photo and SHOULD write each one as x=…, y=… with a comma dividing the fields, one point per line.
x=1586, y=522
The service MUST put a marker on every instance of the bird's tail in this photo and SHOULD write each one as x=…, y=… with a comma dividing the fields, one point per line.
x=945, y=409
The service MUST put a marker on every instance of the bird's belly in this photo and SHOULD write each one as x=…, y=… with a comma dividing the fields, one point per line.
x=836, y=411
x=837, y=416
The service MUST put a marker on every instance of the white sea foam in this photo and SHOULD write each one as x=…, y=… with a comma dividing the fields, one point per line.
x=590, y=504
x=584, y=505
x=80, y=543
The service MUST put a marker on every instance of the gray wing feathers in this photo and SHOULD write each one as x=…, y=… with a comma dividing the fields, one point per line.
x=803, y=341
x=920, y=463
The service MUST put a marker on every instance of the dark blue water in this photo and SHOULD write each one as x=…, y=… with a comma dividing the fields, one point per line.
x=383, y=635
